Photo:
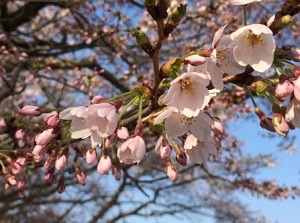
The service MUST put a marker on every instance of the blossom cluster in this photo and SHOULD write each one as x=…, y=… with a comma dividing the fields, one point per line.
x=189, y=127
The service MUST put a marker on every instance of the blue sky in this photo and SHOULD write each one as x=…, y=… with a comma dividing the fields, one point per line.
x=286, y=172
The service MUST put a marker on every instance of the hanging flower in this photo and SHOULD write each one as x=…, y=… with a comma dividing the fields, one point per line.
x=199, y=150
x=254, y=45
x=293, y=112
x=188, y=93
x=132, y=150
x=221, y=59
x=97, y=120
x=177, y=124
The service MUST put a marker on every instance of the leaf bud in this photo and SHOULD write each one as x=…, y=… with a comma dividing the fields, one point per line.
x=176, y=15
x=143, y=41
x=171, y=68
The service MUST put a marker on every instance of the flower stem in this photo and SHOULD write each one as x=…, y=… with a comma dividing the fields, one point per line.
x=140, y=110
x=251, y=97
x=127, y=106
x=2, y=165
x=244, y=14
x=120, y=96
x=273, y=100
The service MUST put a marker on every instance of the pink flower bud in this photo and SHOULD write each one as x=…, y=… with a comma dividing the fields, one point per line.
x=39, y=150
x=6, y=186
x=31, y=110
x=20, y=134
x=48, y=164
x=61, y=162
x=17, y=166
x=45, y=137
x=81, y=177
x=61, y=185
x=11, y=180
x=53, y=121
x=284, y=89
x=294, y=53
x=181, y=158
x=109, y=142
x=217, y=126
x=21, y=183
x=90, y=156
x=194, y=60
x=296, y=71
x=116, y=173
x=267, y=124
x=104, y=165
x=122, y=133
x=281, y=125
x=3, y=37
x=172, y=173
x=50, y=177
x=97, y=99
x=271, y=20
x=165, y=151
x=118, y=104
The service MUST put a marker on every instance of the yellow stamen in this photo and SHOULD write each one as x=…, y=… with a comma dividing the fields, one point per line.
x=252, y=39
x=188, y=86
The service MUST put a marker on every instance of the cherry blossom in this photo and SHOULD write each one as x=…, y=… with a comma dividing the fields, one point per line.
x=97, y=120
x=132, y=150
x=254, y=45
x=199, y=150
x=293, y=112
x=177, y=124
x=188, y=93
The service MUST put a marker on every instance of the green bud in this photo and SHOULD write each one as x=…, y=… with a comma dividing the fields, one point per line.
x=259, y=86
x=144, y=91
x=172, y=68
x=177, y=14
x=283, y=22
x=143, y=41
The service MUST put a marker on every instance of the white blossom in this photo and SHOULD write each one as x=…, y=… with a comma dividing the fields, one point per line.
x=254, y=45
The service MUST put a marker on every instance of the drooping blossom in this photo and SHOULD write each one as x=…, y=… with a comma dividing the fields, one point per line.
x=172, y=172
x=254, y=45
x=97, y=120
x=45, y=137
x=281, y=125
x=132, y=150
x=39, y=150
x=177, y=124
x=217, y=126
x=53, y=121
x=61, y=162
x=199, y=150
x=90, y=156
x=243, y=2
x=104, y=165
x=293, y=112
x=80, y=176
x=188, y=93
x=122, y=133
x=17, y=167
x=284, y=88
x=31, y=110
x=194, y=60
